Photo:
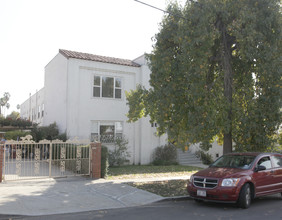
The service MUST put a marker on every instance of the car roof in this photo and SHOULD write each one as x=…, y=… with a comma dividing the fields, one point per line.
x=254, y=154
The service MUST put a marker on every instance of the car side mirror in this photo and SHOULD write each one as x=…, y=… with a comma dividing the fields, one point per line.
x=260, y=168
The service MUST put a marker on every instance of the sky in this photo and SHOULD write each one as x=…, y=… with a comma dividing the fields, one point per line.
x=33, y=31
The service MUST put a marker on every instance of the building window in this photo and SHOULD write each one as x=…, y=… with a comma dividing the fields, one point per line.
x=39, y=111
x=42, y=112
x=106, y=132
x=107, y=87
x=33, y=114
x=154, y=125
x=97, y=86
x=117, y=88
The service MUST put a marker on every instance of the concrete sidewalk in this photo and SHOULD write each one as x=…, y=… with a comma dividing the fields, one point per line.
x=69, y=195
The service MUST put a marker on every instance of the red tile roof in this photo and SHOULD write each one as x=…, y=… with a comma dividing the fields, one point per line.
x=103, y=59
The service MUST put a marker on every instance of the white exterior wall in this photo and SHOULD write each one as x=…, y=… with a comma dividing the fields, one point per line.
x=33, y=108
x=55, y=85
x=68, y=101
x=150, y=140
x=88, y=108
x=215, y=151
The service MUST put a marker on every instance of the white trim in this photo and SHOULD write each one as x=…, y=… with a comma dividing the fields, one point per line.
x=106, y=70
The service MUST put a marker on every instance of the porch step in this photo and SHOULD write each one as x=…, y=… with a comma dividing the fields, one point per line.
x=189, y=159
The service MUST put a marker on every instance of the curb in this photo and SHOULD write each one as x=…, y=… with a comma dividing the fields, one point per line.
x=176, y=198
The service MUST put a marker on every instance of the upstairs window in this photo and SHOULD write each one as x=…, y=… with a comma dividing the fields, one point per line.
x=107, y=87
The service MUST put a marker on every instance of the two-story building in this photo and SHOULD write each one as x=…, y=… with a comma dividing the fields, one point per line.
x=85, y=95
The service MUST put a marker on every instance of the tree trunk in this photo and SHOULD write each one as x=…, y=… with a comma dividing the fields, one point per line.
x=227, y=143
x=228, y=81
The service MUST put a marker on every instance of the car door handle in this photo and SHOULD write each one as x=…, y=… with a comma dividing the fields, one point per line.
x=271, y=171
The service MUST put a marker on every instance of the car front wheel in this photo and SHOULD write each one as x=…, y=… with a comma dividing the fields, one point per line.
x=245, y=197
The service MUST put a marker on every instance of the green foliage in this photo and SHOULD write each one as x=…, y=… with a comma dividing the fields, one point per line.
x=165, y=155
x=119, y=155
x=20, y=123
x=277, y=146
x=205, y=146
x=136, y=99
x=14, y=115
x=15, y=135
x=201, y=51
x=104, y=162
x=50, y=132
x=205, y=157
x=4, y=101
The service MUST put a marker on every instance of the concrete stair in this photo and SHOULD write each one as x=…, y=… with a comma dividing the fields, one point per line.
x=189, y=159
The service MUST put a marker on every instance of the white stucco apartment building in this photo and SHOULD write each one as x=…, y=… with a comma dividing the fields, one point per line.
x=85, y=95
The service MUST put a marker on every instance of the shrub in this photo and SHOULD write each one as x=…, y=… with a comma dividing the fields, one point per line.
x=62, y=137
x=165, y=155
x=119, y=156
x=205, y=157
x=20, y=123
x=15, y=135
x=50, y=132
x=104, y=162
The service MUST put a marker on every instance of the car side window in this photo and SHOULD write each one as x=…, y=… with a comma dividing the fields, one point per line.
x=277, y=161
x=265, y=161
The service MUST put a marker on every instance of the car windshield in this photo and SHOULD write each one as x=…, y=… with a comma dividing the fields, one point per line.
x=234, y=161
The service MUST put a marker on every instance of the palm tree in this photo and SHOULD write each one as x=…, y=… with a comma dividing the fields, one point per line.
x=4, y=101
x=2, y=104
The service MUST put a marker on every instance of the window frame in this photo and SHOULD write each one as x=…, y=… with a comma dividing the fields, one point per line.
x=39, y=111
x=115, y=88
x=107, y=123
x=270, y=162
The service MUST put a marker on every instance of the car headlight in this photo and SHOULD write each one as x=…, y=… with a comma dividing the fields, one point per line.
x=230, y=182
x=191, y=178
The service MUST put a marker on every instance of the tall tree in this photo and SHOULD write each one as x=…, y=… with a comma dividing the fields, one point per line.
x=216, y=72
x=4, y=101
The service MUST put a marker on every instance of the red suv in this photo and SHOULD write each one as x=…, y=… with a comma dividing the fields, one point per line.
x=238, y=178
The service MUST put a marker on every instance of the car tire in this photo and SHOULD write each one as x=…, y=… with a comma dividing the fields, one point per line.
x=245, y=197
x=198, y=200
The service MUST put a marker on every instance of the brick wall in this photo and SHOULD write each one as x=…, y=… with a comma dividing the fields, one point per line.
x=95, y=160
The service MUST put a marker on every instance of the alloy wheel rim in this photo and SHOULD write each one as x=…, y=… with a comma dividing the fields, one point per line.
x=248, y=196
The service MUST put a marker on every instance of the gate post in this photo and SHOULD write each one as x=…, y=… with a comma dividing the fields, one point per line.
x=1, y=159
x=96, y=160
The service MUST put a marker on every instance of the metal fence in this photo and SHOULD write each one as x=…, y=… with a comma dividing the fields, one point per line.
x=106, y=139
x=27, y=159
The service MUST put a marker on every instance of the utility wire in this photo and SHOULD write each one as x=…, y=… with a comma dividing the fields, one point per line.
x=160, y=9
x=152, y=6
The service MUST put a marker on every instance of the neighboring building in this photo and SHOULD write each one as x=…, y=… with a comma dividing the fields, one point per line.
x=85, y=95
x=33, y=108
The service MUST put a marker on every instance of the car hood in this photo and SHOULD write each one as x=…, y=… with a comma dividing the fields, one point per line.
x=219, y=172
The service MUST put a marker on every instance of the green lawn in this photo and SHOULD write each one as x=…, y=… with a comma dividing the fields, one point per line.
x=136, y=171
x=167, y=188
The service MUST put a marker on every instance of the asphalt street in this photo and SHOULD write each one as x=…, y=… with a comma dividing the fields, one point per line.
x=266, y=208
